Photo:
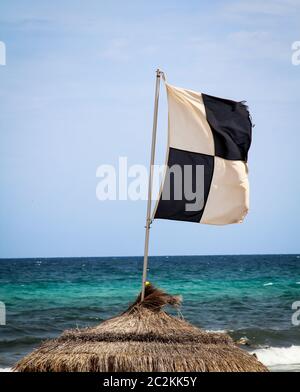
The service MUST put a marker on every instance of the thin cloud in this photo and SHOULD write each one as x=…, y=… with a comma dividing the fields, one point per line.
x=120, y=50
x=117, y=50
x=267, y=7
x=27, y=24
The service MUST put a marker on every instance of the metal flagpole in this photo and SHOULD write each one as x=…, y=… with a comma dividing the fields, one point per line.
x=148, y=217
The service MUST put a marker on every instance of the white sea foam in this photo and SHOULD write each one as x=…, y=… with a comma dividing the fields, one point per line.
x=5, y=370
x=268, y=284
x=278, y=356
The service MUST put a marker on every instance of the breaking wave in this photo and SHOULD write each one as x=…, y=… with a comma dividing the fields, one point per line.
x=277, y=356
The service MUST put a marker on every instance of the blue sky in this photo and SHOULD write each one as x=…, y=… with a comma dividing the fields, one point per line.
x=77, y=92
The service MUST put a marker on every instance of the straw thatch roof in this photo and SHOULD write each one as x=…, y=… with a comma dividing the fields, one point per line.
x=143, y=338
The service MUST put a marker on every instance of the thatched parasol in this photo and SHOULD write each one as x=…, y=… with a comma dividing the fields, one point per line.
x=143, y=338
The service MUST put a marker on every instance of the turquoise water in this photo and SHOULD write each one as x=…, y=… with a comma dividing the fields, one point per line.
x=249, y=296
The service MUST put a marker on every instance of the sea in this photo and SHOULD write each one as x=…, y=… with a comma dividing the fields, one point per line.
x=253, y=298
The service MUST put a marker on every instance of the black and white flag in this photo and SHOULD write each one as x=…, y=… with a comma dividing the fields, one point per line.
x=211, y=136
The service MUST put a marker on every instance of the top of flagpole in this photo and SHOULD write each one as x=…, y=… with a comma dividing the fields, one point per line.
x=160, y=73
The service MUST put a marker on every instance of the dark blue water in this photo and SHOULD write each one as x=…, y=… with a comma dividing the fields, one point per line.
x=249, y=296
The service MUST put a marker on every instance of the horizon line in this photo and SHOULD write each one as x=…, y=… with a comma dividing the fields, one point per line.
x=152, y=256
